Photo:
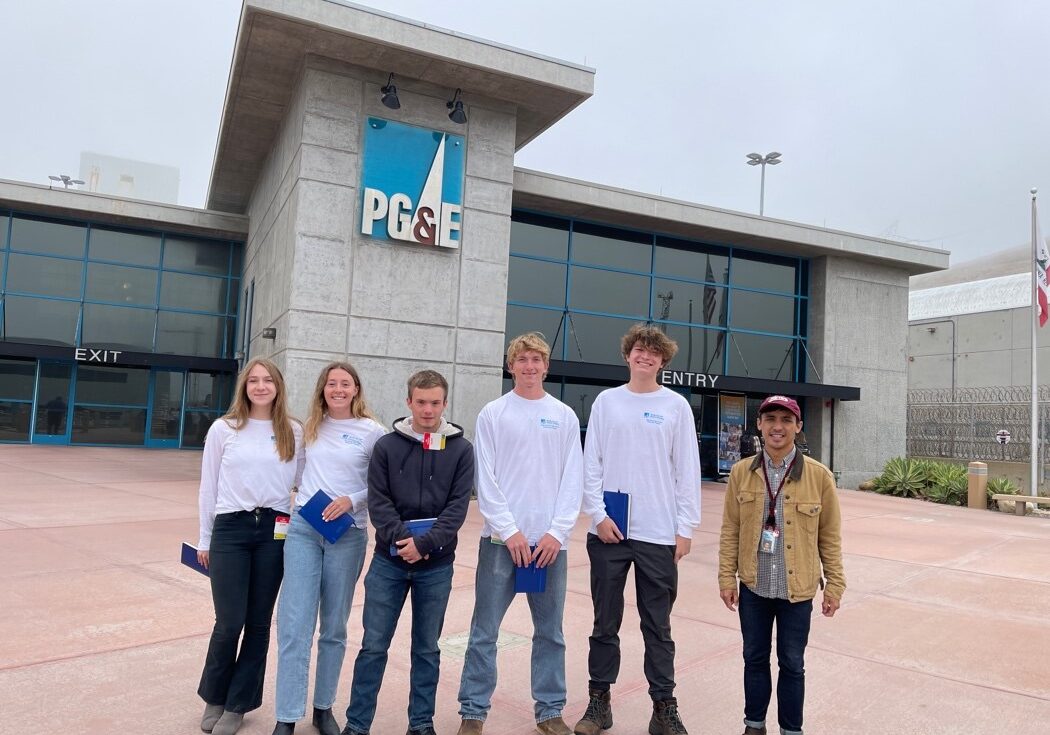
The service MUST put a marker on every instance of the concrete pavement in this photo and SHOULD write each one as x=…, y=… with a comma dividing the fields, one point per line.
x=943, y=628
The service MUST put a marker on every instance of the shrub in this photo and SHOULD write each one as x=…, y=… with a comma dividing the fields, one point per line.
x=947, y=483
x=902, y=477
x=1000, y=486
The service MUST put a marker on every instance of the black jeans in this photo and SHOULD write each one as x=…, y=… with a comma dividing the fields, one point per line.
x=656, y=586
x=757, y=615
x=246, y=566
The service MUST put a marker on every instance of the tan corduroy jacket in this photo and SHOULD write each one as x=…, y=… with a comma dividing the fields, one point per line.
x=811, y=534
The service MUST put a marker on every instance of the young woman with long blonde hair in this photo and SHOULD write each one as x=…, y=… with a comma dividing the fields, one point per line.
x=253, y=458
x=320, y=576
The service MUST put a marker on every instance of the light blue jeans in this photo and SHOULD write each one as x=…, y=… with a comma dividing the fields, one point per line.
x=319, y=580
x=494, y=591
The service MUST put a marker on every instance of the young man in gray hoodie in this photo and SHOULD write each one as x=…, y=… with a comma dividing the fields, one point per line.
x=422, y=471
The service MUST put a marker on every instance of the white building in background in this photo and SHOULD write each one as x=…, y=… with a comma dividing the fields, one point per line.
x=125, y=177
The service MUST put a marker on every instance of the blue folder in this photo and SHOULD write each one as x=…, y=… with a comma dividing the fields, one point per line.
x=618, y=507
x=331, y=530
x=530, y=578
x=189, y=558
x=416, y=527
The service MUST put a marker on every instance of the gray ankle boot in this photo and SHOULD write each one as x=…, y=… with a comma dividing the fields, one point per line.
x=212, y=713
x=228, y=724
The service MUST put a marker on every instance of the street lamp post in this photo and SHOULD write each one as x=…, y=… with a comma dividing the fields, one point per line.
x=754, y=159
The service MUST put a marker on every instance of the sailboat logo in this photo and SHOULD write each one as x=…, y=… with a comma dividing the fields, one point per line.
x=403, y=200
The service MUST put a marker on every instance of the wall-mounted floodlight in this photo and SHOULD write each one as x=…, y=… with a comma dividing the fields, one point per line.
x=457, y=115
x=389, y=92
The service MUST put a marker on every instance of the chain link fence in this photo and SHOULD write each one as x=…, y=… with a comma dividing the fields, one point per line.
x=962, y=423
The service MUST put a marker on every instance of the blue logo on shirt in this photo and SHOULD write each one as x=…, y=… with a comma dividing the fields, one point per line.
x=354, y=440
x=653, y=418
x=550, y=424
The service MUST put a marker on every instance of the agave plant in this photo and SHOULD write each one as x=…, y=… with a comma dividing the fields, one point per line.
x=1000, y=486
x=947, y=484
x=901, y=477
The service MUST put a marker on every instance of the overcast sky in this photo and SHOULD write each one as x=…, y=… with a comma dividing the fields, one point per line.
x=922, y=121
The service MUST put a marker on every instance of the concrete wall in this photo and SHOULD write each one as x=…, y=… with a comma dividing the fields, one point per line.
x=986, y=349
x=392, y=308
x=858, y=336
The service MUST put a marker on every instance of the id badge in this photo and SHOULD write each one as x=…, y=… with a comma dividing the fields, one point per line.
x=280, y=528
x=768, y=543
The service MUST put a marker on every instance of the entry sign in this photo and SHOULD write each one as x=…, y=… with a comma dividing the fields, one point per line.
x=412, y=184
x=1002, y=436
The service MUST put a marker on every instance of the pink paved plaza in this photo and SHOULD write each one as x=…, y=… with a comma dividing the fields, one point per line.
x=944, y=628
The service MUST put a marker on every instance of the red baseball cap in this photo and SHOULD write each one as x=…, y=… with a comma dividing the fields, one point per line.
x=781, y=402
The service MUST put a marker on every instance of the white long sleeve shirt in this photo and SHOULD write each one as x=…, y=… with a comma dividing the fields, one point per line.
x=337, y=462
x=529, y=467
x=240, y=470
x=644, y=444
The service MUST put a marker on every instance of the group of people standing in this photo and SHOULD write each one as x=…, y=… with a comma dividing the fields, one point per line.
x=532, y=478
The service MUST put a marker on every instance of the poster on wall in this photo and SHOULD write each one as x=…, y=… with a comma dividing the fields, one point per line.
x=731, y=411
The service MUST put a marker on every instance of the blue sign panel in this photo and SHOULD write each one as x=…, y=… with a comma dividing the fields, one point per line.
x=412, y=184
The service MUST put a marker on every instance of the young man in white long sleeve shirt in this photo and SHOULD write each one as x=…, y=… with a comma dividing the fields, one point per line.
x=529, y=480
x=641, y=440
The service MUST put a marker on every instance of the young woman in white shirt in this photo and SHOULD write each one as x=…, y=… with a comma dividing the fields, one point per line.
x=320, y=576
x=253, y=457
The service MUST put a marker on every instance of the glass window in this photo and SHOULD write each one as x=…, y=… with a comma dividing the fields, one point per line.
x=699, y=350
x=763, y=312
x=235, y=292
x=41, y=321
x=121, y=285
x=4, y=220
x=237, y=264
x=17, y=378
x=49, y=238
x=112, y=385
x=689, y=302
x=521, y=319
x=608, y=291
x=167, y=404
x=201, y=256
x=195, y=425
x=758, y=356
x=685, y=260
x=536, y=282
x=190, y=334
x=595, y=339
x=208, y=391
x=612, y=248
x=118, y=327
x=580, y=398
x=543, y=236
x=108, y=425
x=199, y=293
x=770, y=274
x=124, y=247
x=44, y=276
x=14, y=421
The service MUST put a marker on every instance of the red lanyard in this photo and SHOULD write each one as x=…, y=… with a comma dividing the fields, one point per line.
x=771, y=519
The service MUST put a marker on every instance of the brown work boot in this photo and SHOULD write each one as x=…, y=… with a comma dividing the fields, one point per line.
x=748, y=730
x=598, y=716
x=470, y=727
x=665, y=719
x=553, y=726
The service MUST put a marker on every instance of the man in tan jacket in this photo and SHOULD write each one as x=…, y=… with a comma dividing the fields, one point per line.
x=781, y=537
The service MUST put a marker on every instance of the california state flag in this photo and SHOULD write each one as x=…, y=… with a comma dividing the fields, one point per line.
x=1042, y=261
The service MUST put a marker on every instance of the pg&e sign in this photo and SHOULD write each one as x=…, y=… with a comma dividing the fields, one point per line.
x=412, y=184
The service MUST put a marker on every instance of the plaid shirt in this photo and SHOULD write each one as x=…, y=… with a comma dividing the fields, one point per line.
x=772, y=569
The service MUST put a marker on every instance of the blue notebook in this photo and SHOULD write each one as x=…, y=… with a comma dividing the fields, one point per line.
x=331, y=530
x=618, y=507
x=189, y=558
x=415, y=527
x=530, y=578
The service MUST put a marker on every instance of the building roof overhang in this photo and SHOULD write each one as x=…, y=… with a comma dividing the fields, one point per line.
x=275, y=37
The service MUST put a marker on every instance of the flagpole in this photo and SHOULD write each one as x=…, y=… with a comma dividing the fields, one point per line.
x=1034, y=448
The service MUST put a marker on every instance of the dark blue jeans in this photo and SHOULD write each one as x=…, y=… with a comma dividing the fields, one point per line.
x=757, y=615
x=387, y=584
x=246, y=566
